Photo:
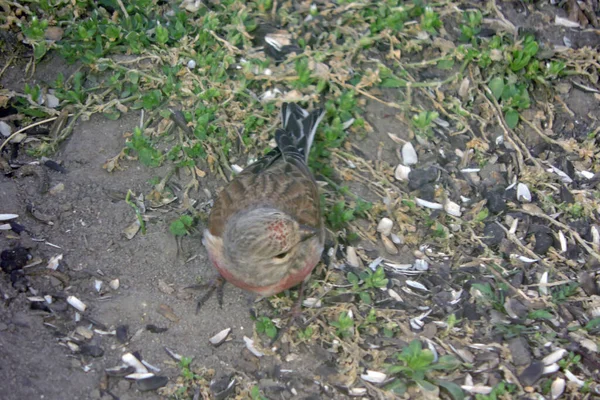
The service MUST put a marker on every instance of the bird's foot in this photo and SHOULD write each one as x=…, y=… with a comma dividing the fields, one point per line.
x=215, y=284
x=293, y=316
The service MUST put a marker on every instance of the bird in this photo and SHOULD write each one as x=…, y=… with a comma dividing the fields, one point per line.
x=265, y=231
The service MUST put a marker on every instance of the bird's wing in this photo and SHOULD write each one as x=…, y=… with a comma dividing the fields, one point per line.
x=283, y=184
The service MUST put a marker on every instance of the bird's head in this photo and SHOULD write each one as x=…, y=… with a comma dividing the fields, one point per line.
x=262, y=245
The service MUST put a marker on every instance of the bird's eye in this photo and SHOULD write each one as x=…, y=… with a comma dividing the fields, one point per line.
x=281, y=256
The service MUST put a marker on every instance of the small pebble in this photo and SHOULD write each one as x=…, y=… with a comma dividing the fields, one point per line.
x=421, y=176
x=122, y=333
x=495, y=202
x=543, y=241
x=532, y=373
x=493, y=234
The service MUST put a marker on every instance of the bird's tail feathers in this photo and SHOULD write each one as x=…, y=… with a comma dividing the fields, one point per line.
x=299, y=129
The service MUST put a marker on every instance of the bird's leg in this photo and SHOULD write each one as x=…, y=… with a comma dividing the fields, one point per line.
x=215, y=284
x=294, y=314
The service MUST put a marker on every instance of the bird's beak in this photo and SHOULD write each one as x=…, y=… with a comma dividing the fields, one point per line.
x=306, y=232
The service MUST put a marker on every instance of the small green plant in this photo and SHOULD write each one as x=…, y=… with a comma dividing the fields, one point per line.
x=430, y=21
x=560, y=294
x=344, y=325
x=255, y=394
x=266, y=326
x=570, y=361
x=306, y=334
x=147, y=154
x=490, y=296
x=182, y=225
x=500, y=391
x=422, y=122
x=190, y=379
x=370, y=280
x=471, y=26
x=415, y=366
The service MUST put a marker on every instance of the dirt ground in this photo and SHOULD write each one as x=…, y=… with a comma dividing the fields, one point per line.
x=87, y=225
x=87, y=220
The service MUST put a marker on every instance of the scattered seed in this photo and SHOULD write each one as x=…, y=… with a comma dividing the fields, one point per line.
x=428, y=204
x=554, y=357
x=352, y=257
x=401, y=172
x=523, y=193
x=250, y=346
x=220, y=337
x=557, y=388
x=390, y=247
x=312, y=302
x=550, y=369
x=385, y=226
x=139, y=375
x=114, y=284
x=131, y=360
x=373, y=376
x=409, y=154
x=76, y=303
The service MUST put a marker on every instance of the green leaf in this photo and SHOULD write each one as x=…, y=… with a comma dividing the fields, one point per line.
x=445, y=64
x=397, y=387
x=447, y=363
x=512, y=118
x=482, y=215
x=162, y=34
x=427, y=386
x=593, y=324
x=496, y=85
x=365, y=297
x=393, y=82
x=541, y=314
x=177, y=228
x=39, y=50
x=452, y=388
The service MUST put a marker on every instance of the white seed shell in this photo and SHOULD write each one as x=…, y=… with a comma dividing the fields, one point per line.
x=409, y=154
x=544, y=285
x=452, y=208
x=385, y=226
x=250, y=346
x=220, y=337
x=572, y=378
x=140, y=375
x=401, y=173
x=554, y=357
x=76, y=303
x=132, y=361
x=557, y=388
x=114, y=284
x=428, y=204
x=312, y=302
x=6, y=217
x=417, y=285
x=351, y=257
x=373, y=376
x=523, y=193
x=563, y=241
x=550, y=369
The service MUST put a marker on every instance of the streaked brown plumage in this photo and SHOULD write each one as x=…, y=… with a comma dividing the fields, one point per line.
x=265, y=232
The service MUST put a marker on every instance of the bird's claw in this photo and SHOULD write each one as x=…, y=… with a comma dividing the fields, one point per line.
x=215, y=284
